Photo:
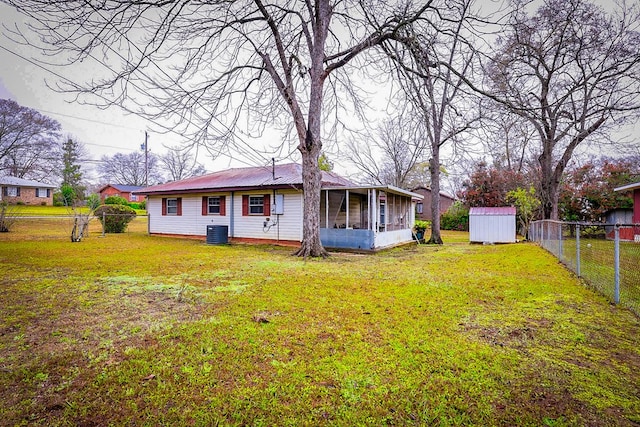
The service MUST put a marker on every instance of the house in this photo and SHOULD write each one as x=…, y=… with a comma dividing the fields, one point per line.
x=492, y=224
x=125, y=191
x=265, y=204
x=18, y=190
x=632, y=233
x=423, y=207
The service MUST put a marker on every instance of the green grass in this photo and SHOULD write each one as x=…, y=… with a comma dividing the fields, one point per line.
x=36, y=210
x=597, y=267
x=137, y=330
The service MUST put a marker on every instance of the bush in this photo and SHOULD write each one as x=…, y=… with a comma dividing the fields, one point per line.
x=115, y=200
x=93, y=201
x=134, y=205
x=116, y=217
x=455, y=218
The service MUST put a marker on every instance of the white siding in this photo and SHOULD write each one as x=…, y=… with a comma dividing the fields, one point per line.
x=492, y=228
x=191, y=222
x=289, y=224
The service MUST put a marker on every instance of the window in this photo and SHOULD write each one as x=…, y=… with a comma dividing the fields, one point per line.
x=42, y=192
x=172, y=206
x=256, y=205
x=12, y=191
x=214, y=205
x=134, y=198
x=419, y=208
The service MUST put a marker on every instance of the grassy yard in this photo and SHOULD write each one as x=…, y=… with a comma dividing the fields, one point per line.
x=34, y=210
x=137, y=330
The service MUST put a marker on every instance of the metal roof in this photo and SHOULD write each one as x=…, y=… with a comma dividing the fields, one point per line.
x=628, y=187
x=124, y=188
x=19, y=182
x=289, y=174
x=506, y=210
x=386, y=188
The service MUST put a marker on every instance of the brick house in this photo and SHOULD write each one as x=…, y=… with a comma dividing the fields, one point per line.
x=423, y=207
x=17, y=190
x=122, y=191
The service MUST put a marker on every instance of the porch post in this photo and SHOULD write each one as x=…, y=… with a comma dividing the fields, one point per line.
x=346, y=195
x=326, y=208
x=369, y=208
x=374, y=212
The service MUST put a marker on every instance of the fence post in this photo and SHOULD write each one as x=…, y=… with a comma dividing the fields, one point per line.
x=103, y=222
x=578, y=249
x=616, y=264
x=560, y=241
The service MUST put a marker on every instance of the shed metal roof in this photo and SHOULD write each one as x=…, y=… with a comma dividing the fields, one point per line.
x=486, y=211
x=632, y=186
x=289, y=174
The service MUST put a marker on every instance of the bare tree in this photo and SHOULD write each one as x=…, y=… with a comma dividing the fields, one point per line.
x=247, y=60
x=510, y=140
x=436, y=93
x=573, y=72
x=129, y=169
x=180, y=163
x=392, y=155
x=29, y=142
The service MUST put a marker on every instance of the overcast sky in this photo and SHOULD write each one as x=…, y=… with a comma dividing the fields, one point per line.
x=104, y=132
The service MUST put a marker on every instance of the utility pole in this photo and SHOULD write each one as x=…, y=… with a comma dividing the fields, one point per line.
x=145, y=147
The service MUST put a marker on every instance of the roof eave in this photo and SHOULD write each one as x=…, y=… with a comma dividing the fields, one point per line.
x=632, y=186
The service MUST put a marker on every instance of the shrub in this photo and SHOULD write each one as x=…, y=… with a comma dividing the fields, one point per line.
x=115, y=200
x=93, y=201
x=116, y=217
x=134, y=205
x=455, y=218
x=143, y=204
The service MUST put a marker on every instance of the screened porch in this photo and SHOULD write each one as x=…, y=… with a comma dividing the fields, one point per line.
x=366, y=218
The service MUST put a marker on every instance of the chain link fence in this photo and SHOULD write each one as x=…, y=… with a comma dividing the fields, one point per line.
x=63, y=227
x=606, y=256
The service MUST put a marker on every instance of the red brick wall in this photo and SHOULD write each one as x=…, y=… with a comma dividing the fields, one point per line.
x=445, y=203
x=28, y=197
x=110, y=191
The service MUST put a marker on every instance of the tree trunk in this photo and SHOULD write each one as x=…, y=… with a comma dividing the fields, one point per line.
x=434, y=169
x=311, y=245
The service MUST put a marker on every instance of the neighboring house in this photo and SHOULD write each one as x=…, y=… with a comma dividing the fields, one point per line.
x=266, y=204
x=423, y=207
x=619, y=216
x=632, y=233
x=125, y=191
x=18, y=190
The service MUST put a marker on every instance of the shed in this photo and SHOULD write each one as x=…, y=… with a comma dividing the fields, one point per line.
x=492, y=225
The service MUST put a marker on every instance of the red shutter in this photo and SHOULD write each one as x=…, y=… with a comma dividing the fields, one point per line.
x=179, y=206
x=245, y=205
x=223, y=207
x=164, y=206
x=266, y=202
x=205, y=205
